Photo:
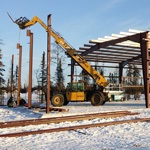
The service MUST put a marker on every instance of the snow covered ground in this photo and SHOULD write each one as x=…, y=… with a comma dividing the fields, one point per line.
x=134, y=136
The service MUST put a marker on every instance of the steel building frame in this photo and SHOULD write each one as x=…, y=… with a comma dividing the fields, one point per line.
x=132, y=46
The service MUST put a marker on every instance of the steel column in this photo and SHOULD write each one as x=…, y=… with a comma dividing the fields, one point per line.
x=19, y=72
x=30, y=68
x=145, y=65
x=72, y=70
x=12, y=70
x=120, y=73
x=48, y=62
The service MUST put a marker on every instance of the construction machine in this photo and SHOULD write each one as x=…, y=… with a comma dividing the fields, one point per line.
x=75, y=91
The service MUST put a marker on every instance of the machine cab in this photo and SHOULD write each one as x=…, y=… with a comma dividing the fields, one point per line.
x=75, y=91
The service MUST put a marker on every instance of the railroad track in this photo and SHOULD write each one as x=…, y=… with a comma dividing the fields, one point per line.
x=71, y=118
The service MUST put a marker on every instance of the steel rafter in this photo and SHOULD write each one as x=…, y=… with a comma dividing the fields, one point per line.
x=122, y=49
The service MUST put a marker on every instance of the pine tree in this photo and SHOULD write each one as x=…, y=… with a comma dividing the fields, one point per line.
x=11, y=77
x=43, y=76
x=136, y=74
x=129, y=74
x=43, y=71
x=2, y=80
x=59, y=77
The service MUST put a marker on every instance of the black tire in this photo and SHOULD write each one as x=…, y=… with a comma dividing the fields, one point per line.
x=57, y=100
x=22, y=102
x=103, y=98
x=97, y=99
x=103, y=102
x=122, y=99
x=111, y=99
x=65, y=101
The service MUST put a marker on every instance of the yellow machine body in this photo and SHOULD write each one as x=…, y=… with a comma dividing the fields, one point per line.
x=75, y=91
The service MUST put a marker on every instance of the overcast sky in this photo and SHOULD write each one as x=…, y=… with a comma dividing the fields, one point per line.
x=77, y=21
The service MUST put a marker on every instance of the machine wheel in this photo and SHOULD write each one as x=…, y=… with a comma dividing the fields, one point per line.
x=111, y=99
x=103, y=102
x=102, y=97
x=97, y=99
x=66, y=101
x=57, y=100
x=122, y=99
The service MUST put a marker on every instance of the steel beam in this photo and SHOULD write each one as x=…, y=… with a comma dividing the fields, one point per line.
x=120, y=73
x=12, y=70
x=30, y=68
x=48, y=62
x=145, y=64
x=104, y=44
x=19, y=73
x=72, y=70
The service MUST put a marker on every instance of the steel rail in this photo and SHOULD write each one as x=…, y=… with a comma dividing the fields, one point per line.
x=104, y=124
x=65, y=118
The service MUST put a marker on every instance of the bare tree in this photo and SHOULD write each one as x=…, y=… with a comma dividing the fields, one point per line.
x=133, y=81
x=59, y=58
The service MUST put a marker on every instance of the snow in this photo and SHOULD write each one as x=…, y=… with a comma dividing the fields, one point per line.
x=133, y=136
